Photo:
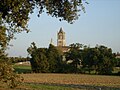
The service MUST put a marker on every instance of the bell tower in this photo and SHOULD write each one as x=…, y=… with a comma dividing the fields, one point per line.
x=61, y=38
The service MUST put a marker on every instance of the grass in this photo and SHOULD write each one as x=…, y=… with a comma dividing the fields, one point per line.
x=26, y=86
x=22, y=68
x=50, y=87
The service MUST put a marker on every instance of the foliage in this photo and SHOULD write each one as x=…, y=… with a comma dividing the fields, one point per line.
x=54, y=58
x=90, y=59
x=39, y=60
x=3, y=37
x=44, y=60
x=74, y=54
x=14, y=14
x=117, y=62
x=65, y=9
x=8, y=76
x=99, y=59
x=79, y=58
x=18, y=59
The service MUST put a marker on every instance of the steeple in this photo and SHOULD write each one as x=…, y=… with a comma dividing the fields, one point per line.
x=61, y=30
x=61, y=38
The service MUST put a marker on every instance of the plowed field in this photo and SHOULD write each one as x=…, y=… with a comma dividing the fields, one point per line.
x=73, y=79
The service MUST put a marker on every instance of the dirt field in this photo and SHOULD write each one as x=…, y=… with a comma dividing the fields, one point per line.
x=73, y=79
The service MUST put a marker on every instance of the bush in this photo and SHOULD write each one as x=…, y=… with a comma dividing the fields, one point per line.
x=118, y=73
x=8, y=76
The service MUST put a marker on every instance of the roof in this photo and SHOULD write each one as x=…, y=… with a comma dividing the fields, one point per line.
x=61, y=30
x=64, y=48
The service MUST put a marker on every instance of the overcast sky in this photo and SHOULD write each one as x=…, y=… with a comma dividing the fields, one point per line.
x=99, y=25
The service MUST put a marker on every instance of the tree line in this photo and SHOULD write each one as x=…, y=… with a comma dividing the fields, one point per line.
x=79, y=59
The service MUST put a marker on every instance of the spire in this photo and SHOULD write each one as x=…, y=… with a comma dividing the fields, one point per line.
x=61, y=30
x=51, y=41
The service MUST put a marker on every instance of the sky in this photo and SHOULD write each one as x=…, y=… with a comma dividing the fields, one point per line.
x=99, y=25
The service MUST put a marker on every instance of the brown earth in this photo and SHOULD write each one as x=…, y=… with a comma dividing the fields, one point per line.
x=73, y=79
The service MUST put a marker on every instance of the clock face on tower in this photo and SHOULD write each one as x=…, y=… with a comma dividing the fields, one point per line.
x=60, y=37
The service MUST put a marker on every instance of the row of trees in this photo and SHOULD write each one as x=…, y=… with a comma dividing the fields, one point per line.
x=18, y=59
x=79, y=59
x=43, y=59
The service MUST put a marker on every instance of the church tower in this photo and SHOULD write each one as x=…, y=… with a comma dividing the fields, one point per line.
x=61, y=38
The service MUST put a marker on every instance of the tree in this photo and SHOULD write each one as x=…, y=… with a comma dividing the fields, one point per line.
x=90, y=59
x=3, y=38
x=14, y=14
x=106, y=63
x=38, y=59
x=75, y=55
x=7, y=74
x=54, y=59
x=45, y=60
x=98, y=59
x=117, y=62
